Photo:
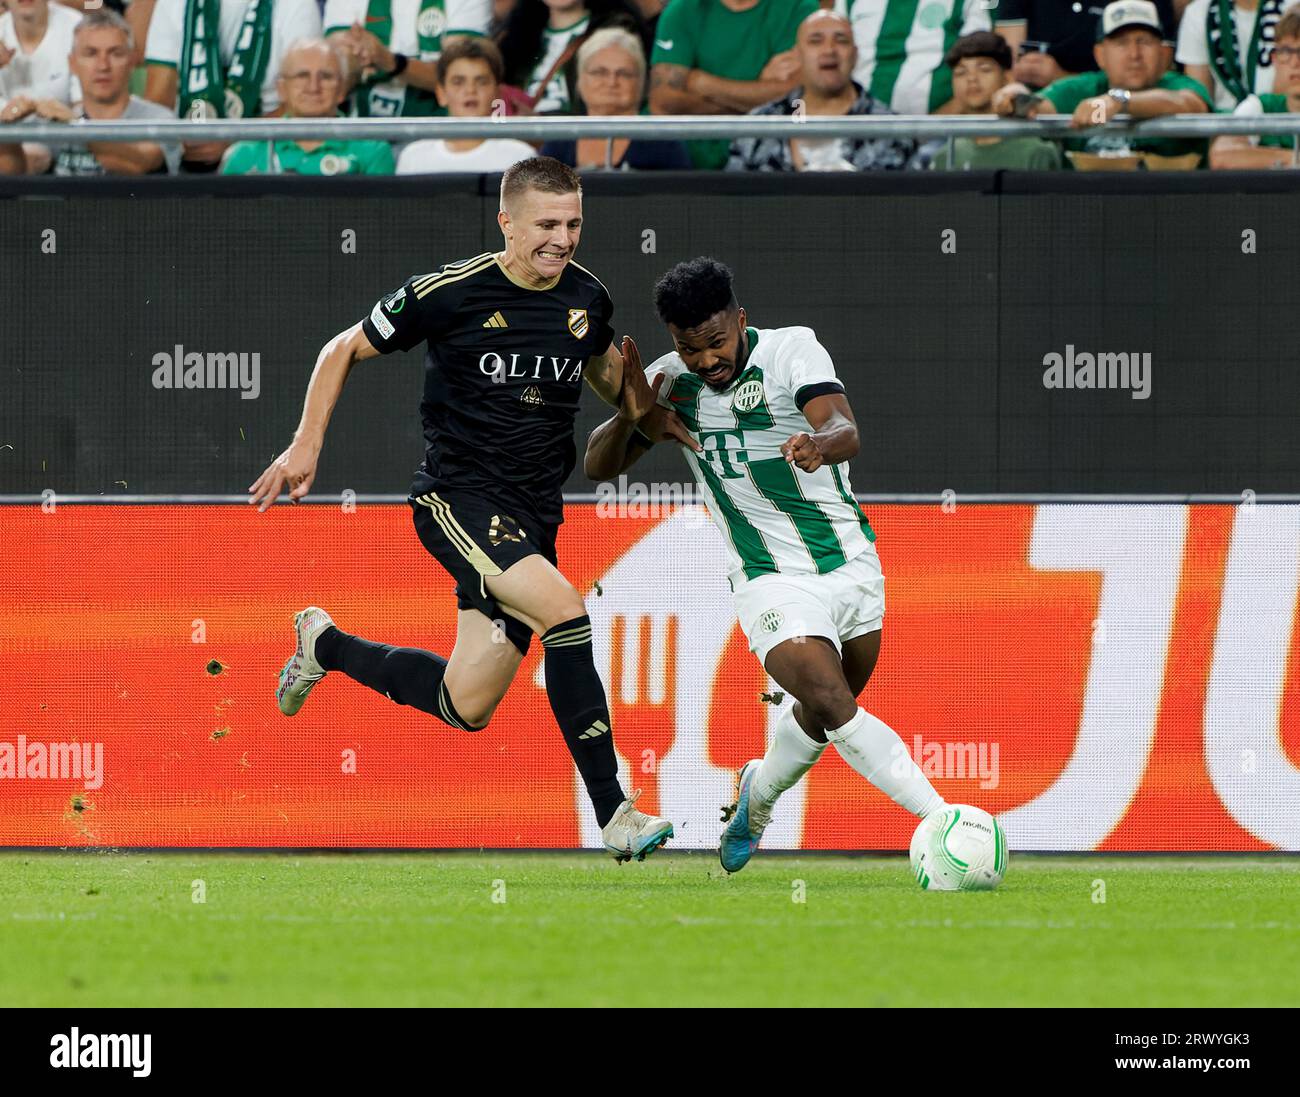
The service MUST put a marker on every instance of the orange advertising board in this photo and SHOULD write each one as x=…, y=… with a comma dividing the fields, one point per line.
x=1101, y=677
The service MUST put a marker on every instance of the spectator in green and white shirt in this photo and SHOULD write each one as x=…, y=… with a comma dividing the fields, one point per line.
x=724, y=57
x=1271, y=151
x=1227, y=46
x=902, y=44
x=223, y=68
x=540, y=43
x=392, y=49
x=310, y=86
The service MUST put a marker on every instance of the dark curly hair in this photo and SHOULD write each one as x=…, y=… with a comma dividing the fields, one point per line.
x=693, y=291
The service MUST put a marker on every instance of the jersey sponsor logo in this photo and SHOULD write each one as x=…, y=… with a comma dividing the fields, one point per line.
x=720, y=454
x=578, y=323
x=544, y=367
x=748, y=396
x=532, y=397
x=772, y=620
x=496, y=320
x=504, y=528
x=382, y=324
x=397, y=302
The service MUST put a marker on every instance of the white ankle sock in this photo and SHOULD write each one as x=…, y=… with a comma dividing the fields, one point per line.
x=874, y=749
x=790, y=755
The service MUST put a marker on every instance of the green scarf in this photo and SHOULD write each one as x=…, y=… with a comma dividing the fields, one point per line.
x=1225, y=52
x=403, y=100
x=208, y=91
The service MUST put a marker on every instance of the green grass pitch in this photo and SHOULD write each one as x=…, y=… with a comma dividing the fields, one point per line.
x=122, y=929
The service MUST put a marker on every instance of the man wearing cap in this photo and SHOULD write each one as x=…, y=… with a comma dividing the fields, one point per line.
x=1053, y=39
x=1133, y=80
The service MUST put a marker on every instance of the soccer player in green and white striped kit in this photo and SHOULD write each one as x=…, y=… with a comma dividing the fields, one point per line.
x=776, y=432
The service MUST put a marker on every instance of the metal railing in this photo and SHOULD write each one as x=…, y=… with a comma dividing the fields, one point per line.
x=653, y=127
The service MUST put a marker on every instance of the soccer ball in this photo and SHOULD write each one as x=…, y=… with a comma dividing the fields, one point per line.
x=959, y=848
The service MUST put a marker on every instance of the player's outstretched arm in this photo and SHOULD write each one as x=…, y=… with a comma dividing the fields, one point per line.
x=604, y=373
x=618, y=443
x=834, y=436
x=296, y=466
x=613, y=447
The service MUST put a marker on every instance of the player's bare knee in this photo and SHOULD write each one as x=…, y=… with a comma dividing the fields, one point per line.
x=829, y=705
x=476, y=717
x=811, y=728
x=563, y=609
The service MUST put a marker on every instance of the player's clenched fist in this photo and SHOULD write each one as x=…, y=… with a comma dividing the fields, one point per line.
x=296, y=467
x=802, y=450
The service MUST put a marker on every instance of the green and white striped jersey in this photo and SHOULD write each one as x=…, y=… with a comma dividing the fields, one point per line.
x=902, y=43
x=773, y=516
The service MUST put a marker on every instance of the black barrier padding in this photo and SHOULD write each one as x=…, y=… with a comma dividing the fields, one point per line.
x=942, y=351
x=621, y=184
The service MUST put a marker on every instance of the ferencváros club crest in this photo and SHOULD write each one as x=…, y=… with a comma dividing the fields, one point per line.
x=748, y=396
x=431, y=22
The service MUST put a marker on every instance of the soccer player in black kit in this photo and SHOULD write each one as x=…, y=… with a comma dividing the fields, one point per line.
x=511, y=337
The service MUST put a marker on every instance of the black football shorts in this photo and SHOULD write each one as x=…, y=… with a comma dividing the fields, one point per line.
x=474, y=538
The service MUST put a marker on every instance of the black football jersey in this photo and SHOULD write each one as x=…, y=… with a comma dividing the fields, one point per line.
x=503, y=375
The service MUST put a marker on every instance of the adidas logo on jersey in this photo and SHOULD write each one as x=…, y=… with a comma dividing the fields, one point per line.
x=496, y=320
x=596, y=730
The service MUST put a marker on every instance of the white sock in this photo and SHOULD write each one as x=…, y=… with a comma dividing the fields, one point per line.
x=790, y=755
x=874, y=749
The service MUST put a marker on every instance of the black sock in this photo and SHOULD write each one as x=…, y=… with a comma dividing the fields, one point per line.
x=408, y=676
x=578, y=701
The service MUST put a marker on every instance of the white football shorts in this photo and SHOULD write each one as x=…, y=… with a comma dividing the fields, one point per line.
x=839, y=605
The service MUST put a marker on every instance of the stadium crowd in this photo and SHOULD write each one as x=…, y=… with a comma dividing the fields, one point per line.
x=199, y=59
